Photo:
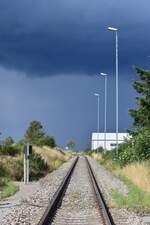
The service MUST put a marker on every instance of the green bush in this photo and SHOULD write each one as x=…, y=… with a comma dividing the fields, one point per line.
x=135, y=149
x=3, y=171
x=20, y=145
x=38, y=167
x=47, y=140
x=3, y=181
x=9, y=150
x=12, y=168
x=141, y=144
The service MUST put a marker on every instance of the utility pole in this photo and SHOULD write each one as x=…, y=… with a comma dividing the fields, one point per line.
x=117, y=89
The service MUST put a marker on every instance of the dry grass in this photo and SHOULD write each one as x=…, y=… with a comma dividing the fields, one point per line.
x=53, y=157
x=96, y=156
x=13, y=166
x=139, y=174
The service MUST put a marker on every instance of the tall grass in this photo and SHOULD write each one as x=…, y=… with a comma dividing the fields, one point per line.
x=96, y=156
x=53, y=157
x=42, y=161
x=139, y=174
x=137, y=177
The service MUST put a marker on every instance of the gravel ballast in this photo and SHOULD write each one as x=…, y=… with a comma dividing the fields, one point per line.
x=28, y=211
x=79, y=205
x=29, y=204
x=107, y=182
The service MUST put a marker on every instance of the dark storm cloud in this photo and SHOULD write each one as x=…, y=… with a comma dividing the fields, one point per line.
x=42, y=37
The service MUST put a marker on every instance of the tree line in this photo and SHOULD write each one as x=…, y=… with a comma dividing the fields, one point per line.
x=137, y=147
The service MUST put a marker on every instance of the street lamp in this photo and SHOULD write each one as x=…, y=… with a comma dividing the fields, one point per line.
x=117, y=99
x=97, y=95
x=105, y=119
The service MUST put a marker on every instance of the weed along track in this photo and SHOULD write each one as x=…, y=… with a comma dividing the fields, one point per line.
x=78, y=200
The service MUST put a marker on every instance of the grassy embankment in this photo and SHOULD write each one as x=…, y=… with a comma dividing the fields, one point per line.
x=42, y=161
x=137, y=177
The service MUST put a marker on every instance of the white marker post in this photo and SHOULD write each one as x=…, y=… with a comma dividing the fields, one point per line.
x=27, y=153
x=25, y=170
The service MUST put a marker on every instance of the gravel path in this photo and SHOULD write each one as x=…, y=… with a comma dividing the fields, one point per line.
x=107, y=182
x=28, y=208
x=79, y=205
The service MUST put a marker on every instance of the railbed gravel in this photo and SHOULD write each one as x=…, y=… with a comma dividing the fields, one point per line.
x=107, y=182
x=29, y=212
x=79, y=205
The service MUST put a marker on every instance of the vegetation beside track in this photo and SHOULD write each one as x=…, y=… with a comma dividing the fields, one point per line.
x=131, y=162
x=45, y=158
x=136, y=175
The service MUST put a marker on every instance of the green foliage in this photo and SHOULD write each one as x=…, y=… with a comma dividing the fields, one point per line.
x=34, y=133
x=9, y=150
x=20, y=144
x=8, y=147
x=141, y=144
x=48, y=141
x=136, y=199
x=3, y=181
x=36, y=136
x=100, y=150
x=138, y=148
x=38, y=167
x=3, y=171
x=135, y=149
x=8, y=189
x=12, y=168
x=8, y=141
x=70, y=144
x=141, y=114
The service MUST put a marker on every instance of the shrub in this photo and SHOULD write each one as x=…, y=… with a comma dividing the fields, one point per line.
x=47, y=140
x=9, y=150
x=13, y=167
x=3, y=171
x=8, y=147
x=142, y=144
x=38, y=167
x=135, y=149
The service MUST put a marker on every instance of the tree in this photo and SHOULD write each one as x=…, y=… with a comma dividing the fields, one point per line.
x=34, y=132
x=8, y=141
x=48, y=141
x=141, y=114
x=8, y=147
x=70, y=144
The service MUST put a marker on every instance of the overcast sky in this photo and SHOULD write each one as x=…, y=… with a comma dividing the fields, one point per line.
x=50, y=53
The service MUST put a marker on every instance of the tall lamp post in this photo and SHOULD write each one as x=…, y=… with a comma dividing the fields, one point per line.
x=117, y=73
x=105, y=119
x=97, y=95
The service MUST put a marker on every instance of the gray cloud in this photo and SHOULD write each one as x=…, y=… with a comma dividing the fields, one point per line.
x=64, y=104
x=54, y=37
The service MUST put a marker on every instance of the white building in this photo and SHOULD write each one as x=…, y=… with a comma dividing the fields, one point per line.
x=98, y=140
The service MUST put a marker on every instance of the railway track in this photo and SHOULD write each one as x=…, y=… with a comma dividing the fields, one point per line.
x=78, y=200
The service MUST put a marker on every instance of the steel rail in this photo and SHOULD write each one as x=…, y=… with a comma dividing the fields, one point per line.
x=107, y=218
x=50, y=211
